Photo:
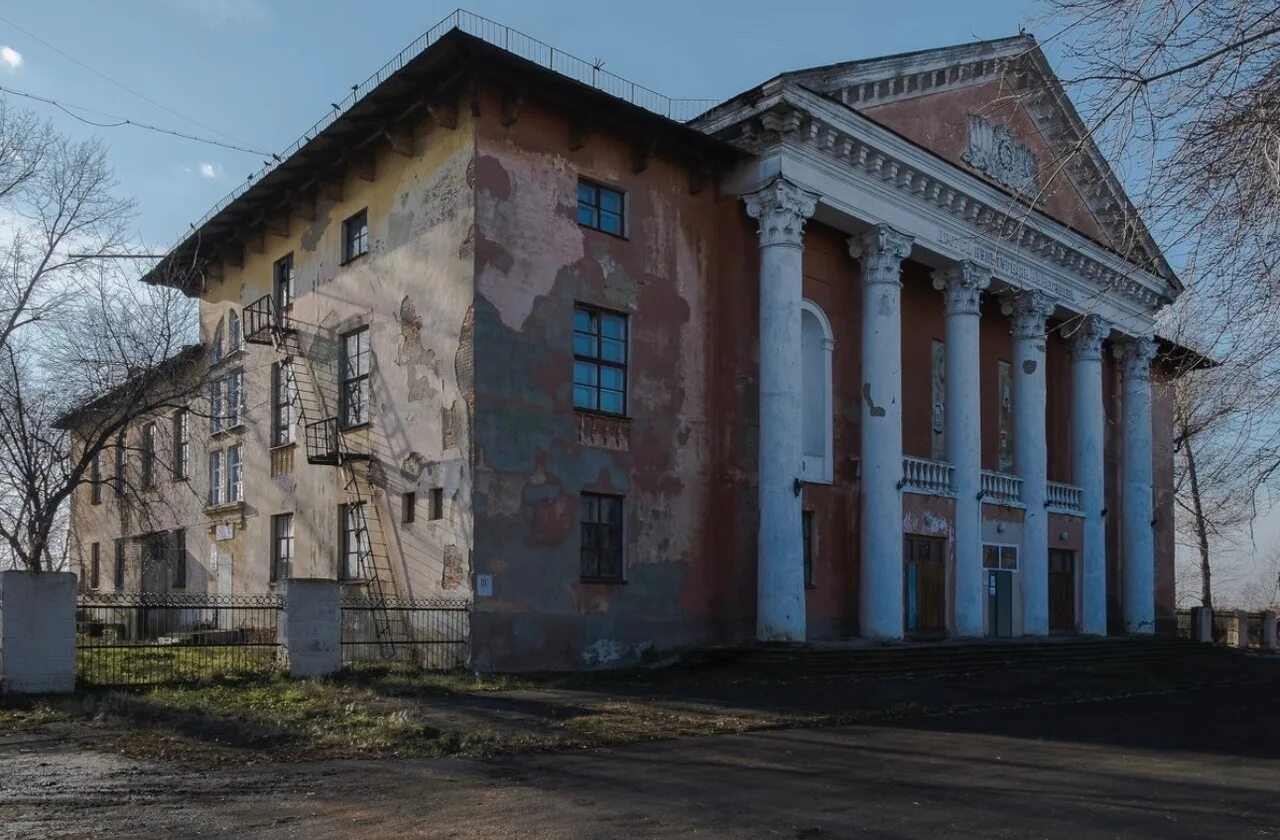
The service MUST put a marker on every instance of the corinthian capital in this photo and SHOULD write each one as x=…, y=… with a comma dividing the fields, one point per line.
x=961, y=285
x=781, y=209
x=1135, y=355
x=1028, y=311
x=881, y=251
x=1087, y=336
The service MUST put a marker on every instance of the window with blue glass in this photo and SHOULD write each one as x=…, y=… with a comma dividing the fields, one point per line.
x=600, y=208
x=599, y=360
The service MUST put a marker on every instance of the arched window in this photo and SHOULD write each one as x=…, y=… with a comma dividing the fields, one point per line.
x=233, y=331
x=817, y=344
x=216, y=348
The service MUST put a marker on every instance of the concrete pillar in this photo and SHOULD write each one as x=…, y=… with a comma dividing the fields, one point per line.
x=1029, y=310
x=962, y=286
x=1268, y=640
x=1088, y=421
x=781, y=208
x=37, y=632
x=310, y=627
x=1202, y=624
x=881, y=251
x=1137, y=539
x=1242, y=629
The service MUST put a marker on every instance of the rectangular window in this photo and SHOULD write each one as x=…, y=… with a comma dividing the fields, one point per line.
x=234, y=400
x=437, y=503
x=215, y=478
x=216, y=387
x=181, y=444
x=599, y=360
x=408, y=507
x=601, y=538
x=355, y=542
x=95, y=478
x=600, y=208
x=806, y=526
x=281, y=403
x=354, y=396
x=117, y=573
x=1000, y=557
x=282, y=283
x=180, y=559
x=95, y=563
x=233, y=331
x=355, y=236
x=235, y=474
x=121, y=464
x=281, y=547
x=148, y=455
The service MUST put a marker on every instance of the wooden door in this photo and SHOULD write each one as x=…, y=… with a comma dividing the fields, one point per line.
x=1062, y=591
x=924, y=585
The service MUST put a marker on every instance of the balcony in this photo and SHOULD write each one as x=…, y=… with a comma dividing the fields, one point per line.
x=929, y=477
x=325, y=444
x=1064, y=498
x=1001, y=488
x=261, y=320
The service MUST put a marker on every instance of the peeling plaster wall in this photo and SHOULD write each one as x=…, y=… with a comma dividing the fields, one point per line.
x=533, y=262
x=414, y=289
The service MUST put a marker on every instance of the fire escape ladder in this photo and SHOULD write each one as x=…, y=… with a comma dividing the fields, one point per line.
x=375, y=568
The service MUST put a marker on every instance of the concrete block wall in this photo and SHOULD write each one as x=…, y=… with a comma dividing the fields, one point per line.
x=310, y=627
x=37, y=632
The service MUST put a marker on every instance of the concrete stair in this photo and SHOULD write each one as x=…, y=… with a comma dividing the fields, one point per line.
x=859, y=659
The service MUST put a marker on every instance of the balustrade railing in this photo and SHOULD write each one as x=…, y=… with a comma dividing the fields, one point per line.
x=920, y=475
x=1001, y=487
x=1064, y=497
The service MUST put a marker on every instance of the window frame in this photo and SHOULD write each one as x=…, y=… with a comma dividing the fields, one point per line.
x=178, y=558
x=282, y=288
x=95, y=565
x=282, y=421
x=408, y=507
x=235, y=333
x=1002, y=550
x=122, y=465
x=217, y=476
x=148, y=456
x=597, y=315
x=600, y=525
x=181, y=463
x=235, y=473
x=345, y=381
x=363, y=549
x=596, y=207
x=281, y=561
x=361, y=240
x=435, y=504
x=95, y=479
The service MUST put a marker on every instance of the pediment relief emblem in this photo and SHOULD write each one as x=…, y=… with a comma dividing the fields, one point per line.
x=994, y=152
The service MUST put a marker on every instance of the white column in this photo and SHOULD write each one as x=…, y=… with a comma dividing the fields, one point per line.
x=962, y=286
x=1030, y=452
x=1137, y=540
x=881, y=251
x=1088, y=421
x=781, y=209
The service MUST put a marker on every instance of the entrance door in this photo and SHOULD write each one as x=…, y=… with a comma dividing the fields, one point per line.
x=924, y=585
x=999, y=603
x=1062, y=591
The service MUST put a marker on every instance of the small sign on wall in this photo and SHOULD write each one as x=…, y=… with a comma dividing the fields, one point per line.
x=484, y=586
x=224, y=531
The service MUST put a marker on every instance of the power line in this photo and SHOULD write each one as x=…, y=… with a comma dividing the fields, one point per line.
x=120, y=85
x=125, y=121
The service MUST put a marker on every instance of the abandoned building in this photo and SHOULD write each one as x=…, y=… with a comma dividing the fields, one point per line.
x=866, y=350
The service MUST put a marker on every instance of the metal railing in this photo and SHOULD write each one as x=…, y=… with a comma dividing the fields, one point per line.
x=142, y=638
x=424, y=633
x=1066, y=498
x=322, y=441
x=589, y=73
x=261, y=320
x=1001, y=487
x=920, y=475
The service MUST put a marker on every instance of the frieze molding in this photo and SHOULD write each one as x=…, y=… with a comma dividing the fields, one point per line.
x=1135, y=355
x=994, y=152
x=961, y=286
x=881, y=251
x=1087, y=335
x=781, y=208
x=1028, y=311
x=1005, y=225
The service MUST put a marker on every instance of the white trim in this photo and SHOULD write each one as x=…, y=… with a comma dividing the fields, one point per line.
x=822, y=470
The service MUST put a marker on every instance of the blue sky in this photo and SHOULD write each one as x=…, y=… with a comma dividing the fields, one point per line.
x=261, y=71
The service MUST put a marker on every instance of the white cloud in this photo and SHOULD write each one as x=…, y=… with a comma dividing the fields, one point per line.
x=208, y=170
x=11, y=57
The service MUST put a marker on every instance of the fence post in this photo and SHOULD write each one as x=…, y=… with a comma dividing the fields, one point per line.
x=37, y=632
x=1202, y=624
x=1268, y=640
x=1242, y=629
x=310, y=627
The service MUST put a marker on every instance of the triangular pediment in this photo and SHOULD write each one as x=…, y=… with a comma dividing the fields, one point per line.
x=997, y=109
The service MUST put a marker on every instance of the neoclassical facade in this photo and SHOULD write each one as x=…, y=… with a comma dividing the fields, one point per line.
x=868, y=350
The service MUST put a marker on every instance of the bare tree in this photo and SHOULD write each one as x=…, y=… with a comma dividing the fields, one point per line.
x=1184, y=97
x=83, y=352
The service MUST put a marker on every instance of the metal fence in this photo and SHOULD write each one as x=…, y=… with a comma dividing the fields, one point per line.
x=143, y=638
x=423, y=633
